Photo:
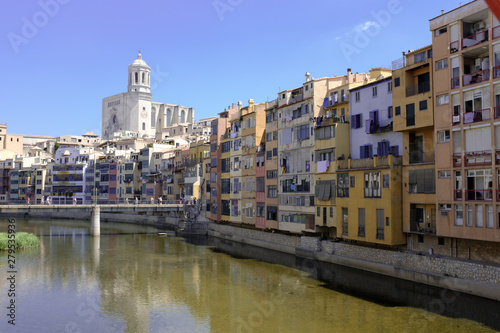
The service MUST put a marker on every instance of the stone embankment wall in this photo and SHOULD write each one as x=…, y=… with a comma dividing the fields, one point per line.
x=476, y=278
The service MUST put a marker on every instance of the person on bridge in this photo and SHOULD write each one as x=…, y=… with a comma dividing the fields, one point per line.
x=126, y=201
x=136, y=200
x=159, y=200
x=152, y=201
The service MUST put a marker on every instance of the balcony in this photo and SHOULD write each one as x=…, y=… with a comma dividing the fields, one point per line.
x=420, y=88
x=477, y=116
x=478, y=158
x=495, y=32
x=454, y=46
x=476, y=77
x=475, y=39
x=455, y=82
x=496, y=72
x=478, y=195
x=457, y=159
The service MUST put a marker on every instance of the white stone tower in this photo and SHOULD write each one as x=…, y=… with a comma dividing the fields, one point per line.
x=139, y=76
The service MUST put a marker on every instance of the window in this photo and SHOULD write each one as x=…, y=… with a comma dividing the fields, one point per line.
x=269, y=154
x=422, y=181
x=422, y=105
x=275, y=151
x=440, y=31
x=356, y=96
x=345, y=221
x=356, y=120
x=272, y=191
x=441, y=64
x=397, y=111
x=269, y=136
x=443, y=136
x=385, y=181
x=444, y=174
x=226, y=147
x=366, y=151
x=261, y=184
x=380, y=224
x=225, y=186
x=225, y=207
x=343, y=185
x=443, y=99
x=353, y=181
x=226, y=165
x=389, y=112
x=318, y=211
x=372, y=185
x=397, y=82
x=261, y=209
x=272, y=174
x=389, y=86
x=272, y=213
x=374, y=91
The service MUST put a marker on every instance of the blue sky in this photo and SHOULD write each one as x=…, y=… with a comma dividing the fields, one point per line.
x=61, y=57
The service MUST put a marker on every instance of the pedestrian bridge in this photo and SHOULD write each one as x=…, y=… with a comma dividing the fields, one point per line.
x=117, y=208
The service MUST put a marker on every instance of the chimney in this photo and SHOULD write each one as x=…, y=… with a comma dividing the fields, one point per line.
x=442, y=12
x=307, y=76
x=239, y=105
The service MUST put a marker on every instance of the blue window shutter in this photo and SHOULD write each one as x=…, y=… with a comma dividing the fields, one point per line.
x=370, y=151
x=367, y=129
x=380, y=148
x=325, y=102
x=353, y=122
x=362, y=152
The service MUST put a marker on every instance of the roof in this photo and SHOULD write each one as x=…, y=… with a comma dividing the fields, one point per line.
x=139, y=61
x=91, y=134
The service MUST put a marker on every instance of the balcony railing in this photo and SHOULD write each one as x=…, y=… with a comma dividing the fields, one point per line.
x=475, y=39
x=457, y=159
x=496, y=71
x=455, y=82
x=495, y=32
x=477, y=116
x=478, y=158
x=420, y=88
x=454, y=46
x=478, y=195
x=476, y=77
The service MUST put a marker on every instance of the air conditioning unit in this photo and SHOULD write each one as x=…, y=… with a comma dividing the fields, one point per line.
x=479, y=26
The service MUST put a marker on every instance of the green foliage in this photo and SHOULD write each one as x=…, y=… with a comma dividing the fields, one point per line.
x=23, y=240
x=56, y=147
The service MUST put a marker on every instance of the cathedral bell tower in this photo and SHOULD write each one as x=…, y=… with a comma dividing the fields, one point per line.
x=139, y=76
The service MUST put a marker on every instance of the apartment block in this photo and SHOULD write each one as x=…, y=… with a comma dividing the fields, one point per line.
x=271, y=165
x=413, y=107
x=466, y=51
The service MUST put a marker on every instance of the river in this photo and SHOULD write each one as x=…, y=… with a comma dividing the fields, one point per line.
x=132, y=280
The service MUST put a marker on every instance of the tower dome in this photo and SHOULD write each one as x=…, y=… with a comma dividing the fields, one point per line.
x=139, y=76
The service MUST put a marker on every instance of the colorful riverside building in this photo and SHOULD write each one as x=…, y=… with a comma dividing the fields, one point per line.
x=466, y=80
x=331, y=142
x=271, y=165
x=235, y=173
x=253, y=119
x=413, y=107
x=369, y=183
x=225, y=176
x=218, y=130
x=296, y=109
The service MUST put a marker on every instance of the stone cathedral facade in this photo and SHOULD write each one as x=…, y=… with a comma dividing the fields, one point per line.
x=134, y=111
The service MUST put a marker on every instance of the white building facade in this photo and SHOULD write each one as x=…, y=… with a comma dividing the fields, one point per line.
x=134, y=110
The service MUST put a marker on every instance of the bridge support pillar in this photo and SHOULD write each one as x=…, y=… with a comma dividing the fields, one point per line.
x=95, y=223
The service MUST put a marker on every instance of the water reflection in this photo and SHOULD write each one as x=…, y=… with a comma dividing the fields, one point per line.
x=146, y=283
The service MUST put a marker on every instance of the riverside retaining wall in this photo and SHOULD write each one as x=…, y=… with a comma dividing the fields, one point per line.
x=480, y=279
